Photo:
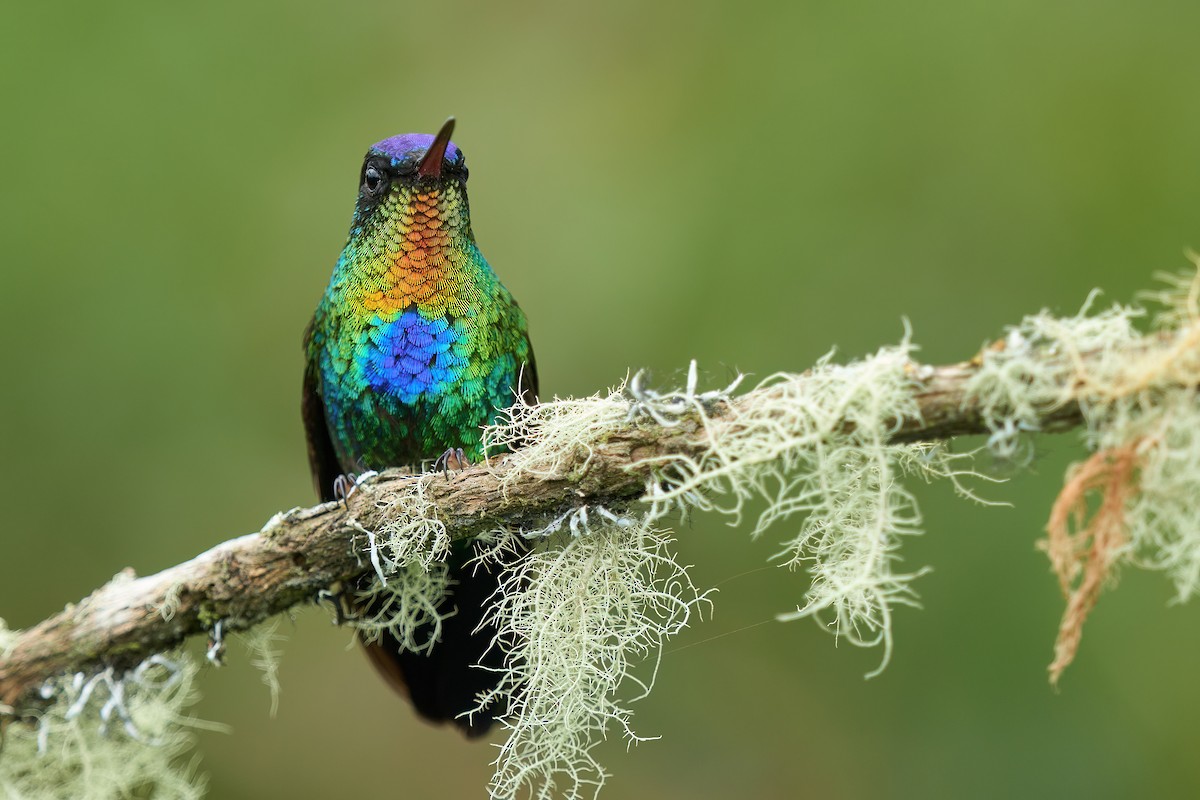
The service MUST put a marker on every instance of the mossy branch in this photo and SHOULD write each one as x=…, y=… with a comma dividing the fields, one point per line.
x=573, y=516
x=308, y=553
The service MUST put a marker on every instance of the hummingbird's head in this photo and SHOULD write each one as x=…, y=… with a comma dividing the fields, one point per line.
x=414, y=170
x=414, y=158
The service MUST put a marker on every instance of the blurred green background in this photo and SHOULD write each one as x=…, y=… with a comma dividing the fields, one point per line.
x=747, y=184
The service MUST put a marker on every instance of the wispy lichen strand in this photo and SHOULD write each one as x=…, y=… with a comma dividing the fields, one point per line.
x=1141, y=417
x=817, y=447
x=408, y=553
x=1163, y=519
x=574, y=616
x=107, y=735
x=1040, y=364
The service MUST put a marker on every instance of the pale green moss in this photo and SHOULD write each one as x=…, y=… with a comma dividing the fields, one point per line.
x=1036, y=366
x=550, y=435
x=1153, y=401
x=260, y=644
x=404, y=605
x=106, y=736
x=408, y=553
x=816, y=447
x=1163, y=517
x=574, y=616
x=1138, y=397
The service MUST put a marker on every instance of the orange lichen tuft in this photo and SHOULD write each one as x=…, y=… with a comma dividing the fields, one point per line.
x=1083, y=548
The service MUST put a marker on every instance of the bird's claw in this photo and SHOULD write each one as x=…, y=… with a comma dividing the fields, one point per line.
x=453, y=458
x=343, y=487
x=347, y=483
x=336, y=595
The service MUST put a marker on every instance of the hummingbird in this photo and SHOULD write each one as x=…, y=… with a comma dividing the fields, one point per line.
x=414, y=348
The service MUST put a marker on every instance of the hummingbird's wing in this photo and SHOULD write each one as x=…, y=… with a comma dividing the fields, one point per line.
x=445, y=683
x=527, y=386
x=322, y=458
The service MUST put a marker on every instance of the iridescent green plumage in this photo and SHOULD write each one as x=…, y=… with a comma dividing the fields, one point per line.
x=414, y=348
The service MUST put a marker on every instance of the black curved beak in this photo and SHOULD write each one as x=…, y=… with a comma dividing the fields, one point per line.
x=431, y=162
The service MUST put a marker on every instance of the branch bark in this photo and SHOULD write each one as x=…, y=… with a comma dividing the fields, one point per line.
x=304, y=552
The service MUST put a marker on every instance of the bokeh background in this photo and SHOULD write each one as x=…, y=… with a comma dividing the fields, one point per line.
x=747, y=184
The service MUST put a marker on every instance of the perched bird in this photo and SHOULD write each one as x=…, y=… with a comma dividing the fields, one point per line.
x=414, y=348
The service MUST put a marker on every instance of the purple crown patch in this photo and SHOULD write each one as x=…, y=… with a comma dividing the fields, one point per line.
x=411, y=145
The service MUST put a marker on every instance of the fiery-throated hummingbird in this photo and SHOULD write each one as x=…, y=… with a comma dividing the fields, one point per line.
x=413, y=349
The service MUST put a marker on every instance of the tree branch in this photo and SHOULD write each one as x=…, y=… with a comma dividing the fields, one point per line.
x=303, y=553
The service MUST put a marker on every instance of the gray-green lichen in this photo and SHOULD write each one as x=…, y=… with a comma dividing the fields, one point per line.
x=107, y=735
x=575, y=615
x=408, y=553
x=1136, y=502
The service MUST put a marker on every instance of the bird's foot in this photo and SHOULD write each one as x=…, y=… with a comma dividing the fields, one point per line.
x=347, y=483
x=336, y=596
x=454, y=458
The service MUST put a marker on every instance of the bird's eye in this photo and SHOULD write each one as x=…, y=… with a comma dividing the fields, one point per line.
x=372, y=180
